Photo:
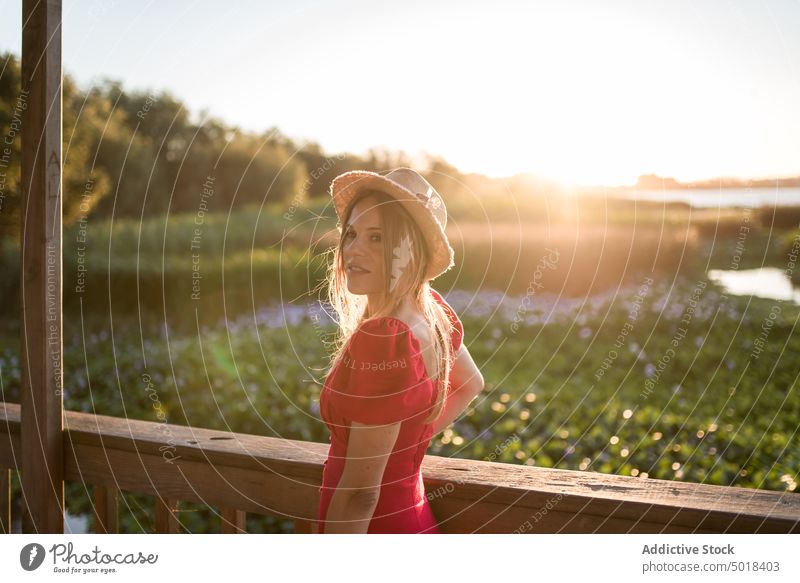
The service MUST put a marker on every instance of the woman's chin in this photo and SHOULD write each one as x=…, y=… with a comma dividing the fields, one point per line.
x=354, y=288
x=357, y=288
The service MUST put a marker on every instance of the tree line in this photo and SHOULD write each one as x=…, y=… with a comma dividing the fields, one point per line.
x=130, y=153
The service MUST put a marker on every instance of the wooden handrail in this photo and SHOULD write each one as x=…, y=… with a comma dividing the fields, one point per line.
x=281, y=477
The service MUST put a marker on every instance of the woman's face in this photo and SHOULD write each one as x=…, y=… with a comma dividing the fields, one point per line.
x=362, y=249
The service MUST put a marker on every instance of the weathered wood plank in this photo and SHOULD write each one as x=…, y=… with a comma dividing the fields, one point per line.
x=281, y=478
x=106, y=509
x=174, y=442
x=256, y=490
x=593, y=499
x=456, y=515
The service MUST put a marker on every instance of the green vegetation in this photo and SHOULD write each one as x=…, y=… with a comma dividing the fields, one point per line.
x=720, y=412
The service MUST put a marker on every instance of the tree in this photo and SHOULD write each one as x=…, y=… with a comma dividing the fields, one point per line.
x=82, y=120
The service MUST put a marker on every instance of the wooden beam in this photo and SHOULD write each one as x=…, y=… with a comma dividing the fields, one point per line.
x=41, y=337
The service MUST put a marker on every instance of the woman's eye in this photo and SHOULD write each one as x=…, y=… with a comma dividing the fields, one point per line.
x=376, y=238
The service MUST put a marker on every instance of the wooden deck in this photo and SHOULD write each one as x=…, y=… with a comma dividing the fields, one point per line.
x=239, y=473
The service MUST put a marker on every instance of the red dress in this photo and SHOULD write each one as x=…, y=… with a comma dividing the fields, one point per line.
x=382, y=379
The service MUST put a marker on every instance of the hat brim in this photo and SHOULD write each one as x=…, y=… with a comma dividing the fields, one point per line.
x=347, y=186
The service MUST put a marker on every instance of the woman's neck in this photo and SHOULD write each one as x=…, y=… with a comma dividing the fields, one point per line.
x=407, y=307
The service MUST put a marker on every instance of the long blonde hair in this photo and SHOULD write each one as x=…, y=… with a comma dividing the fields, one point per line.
x=398, y=229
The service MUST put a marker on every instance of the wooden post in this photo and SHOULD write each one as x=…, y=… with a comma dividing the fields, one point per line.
x=167, y=510
x=5, y=500
x=305, y=526
x=106, y=509
x=233, y=521
x=42, y=342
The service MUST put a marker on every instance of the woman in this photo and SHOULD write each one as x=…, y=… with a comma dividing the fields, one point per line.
x=393, y=382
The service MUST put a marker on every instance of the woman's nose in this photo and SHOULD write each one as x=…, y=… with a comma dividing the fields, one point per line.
x=355, y=247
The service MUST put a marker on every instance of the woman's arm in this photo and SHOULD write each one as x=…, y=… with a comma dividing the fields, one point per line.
x=350, y=512
x=467, y=384
x=359, y=488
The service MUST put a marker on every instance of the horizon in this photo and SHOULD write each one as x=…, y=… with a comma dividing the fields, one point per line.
x=707, y=94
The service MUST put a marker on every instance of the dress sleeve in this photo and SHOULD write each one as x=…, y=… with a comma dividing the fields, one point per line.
x=458, y=328
x=383, y=375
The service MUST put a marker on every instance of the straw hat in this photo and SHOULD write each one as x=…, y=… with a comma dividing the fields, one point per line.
x=418, y=197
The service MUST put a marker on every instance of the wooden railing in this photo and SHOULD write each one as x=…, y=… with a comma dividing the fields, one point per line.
x=241, y=473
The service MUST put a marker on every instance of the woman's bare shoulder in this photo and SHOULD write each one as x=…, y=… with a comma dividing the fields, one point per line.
x=415, y=322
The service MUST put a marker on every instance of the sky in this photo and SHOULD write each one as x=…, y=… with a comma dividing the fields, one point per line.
x=581, y=92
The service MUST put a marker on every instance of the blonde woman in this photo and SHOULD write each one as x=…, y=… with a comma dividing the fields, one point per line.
x=400, y=373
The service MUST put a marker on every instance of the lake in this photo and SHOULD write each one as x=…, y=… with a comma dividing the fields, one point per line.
x=765, y=282
x=729, y=197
